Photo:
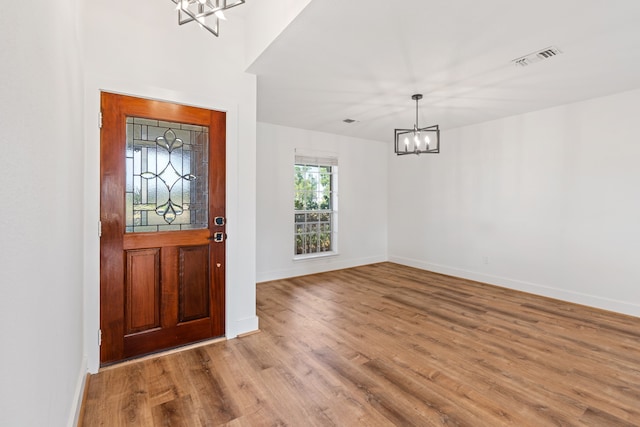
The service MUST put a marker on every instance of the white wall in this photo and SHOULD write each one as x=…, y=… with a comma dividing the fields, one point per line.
x=137, y=48
x=362, y=205
x=266, y=20
x=41, y=361
x=546, y=202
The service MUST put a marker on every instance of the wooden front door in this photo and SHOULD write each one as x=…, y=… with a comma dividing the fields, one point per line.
x=162, y=207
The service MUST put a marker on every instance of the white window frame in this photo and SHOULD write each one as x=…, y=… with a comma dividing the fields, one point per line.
x=317, y=160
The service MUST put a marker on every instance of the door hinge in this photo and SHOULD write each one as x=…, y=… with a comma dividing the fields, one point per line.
x=99, y=228
x=99, y=337
x=100, y=119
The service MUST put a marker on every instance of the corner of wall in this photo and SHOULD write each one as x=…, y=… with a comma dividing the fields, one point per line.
x=78, y=395
x=242, y=326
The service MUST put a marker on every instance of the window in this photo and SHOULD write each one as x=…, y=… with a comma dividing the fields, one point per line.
x=315, y=206
x=166, y=176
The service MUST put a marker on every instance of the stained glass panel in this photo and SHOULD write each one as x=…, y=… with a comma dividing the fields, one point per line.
x=166, y=176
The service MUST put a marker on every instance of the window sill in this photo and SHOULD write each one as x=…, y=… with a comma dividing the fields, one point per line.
x=315, y=256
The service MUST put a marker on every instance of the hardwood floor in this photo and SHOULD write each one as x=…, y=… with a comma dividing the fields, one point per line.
x=384, y=345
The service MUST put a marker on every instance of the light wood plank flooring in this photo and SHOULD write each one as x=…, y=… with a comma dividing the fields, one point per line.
x=384, y=345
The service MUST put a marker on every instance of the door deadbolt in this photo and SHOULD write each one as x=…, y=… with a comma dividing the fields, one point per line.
x=219, y=220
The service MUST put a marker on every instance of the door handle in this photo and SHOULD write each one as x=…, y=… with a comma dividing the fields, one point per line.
x=218, y=237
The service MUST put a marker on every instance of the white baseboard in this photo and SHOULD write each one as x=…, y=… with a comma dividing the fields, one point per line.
x=532, y=288
x=81, y=383
x=241, y=326
x=316, y=265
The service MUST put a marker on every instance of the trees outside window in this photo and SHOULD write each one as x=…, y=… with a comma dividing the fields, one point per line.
x=314, y=208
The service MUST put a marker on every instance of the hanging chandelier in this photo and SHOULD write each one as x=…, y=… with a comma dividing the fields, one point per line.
x=417, y=140
x=207, y=13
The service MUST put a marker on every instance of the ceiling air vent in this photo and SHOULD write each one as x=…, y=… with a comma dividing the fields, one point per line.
x=534, y=57
x=349, y=121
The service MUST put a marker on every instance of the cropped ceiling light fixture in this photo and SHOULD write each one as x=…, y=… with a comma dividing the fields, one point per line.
x=417, y=140
x=207, y=13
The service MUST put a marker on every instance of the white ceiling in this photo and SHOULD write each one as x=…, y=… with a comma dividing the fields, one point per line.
x=363, y=59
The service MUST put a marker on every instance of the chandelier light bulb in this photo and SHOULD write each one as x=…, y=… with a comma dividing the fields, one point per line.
x=418, y=140
x=220, y=15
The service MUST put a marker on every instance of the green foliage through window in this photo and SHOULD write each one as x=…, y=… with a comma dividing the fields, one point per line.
x=313, y=205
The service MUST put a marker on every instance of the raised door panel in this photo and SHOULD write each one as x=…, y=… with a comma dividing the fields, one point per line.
x=193, y=283
x=142, y=297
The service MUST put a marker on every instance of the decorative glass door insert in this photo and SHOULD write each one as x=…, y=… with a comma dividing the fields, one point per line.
x=166, y=176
